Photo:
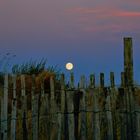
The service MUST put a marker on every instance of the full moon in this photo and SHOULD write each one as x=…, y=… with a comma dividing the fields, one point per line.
x=69, y=66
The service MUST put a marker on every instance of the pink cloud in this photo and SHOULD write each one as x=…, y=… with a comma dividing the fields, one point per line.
x=105, y=19
x=103, y=12
x=128, y=14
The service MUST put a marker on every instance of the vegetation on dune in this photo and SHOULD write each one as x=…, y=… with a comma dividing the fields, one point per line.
x=30, y=67
x=34, y=67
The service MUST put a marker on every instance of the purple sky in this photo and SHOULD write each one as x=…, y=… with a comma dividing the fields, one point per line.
x=87, y=33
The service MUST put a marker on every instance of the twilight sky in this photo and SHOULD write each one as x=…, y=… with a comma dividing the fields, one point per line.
x=89, y=33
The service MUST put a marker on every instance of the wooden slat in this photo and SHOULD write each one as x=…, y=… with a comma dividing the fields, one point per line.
x=96, y=127
x=82, y=109
x=109, y=117
x=92, y=81
x=34, y=111
x=53, y=111
x=70, y=110
x=4, y=110
x=14, y=110
x=128, y=61
x=112, y=80
x=101, y=80
x=62, y=106
x=71, y=80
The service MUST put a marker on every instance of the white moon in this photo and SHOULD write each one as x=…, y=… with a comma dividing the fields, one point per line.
x=69, y=66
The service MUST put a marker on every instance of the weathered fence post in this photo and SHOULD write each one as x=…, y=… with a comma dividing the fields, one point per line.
x=4, y=110
x=113, y=98
x=130, y=113
x=99, y=110
x=109, y=116
x=128, y=69
x=83, y=120
x=70, y=112
x=122, y=108
x=35, y=119
x=103, y=118
x=89, y=107
x=71, y=80
x=92, y=81
x=61, y=110
x=44, y=127
x=53, y=111
x=113, y=90
x=14, y=110
x=128, y=61
x=24, y=108
x=96, y=118
x=112, y=80
x=102, y=80
x=61, y=114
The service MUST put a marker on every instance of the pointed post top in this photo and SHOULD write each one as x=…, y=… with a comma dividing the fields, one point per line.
x=128, y=61
x=102, y=80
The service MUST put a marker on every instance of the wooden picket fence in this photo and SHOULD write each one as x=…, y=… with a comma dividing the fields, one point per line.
x=64, y=111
